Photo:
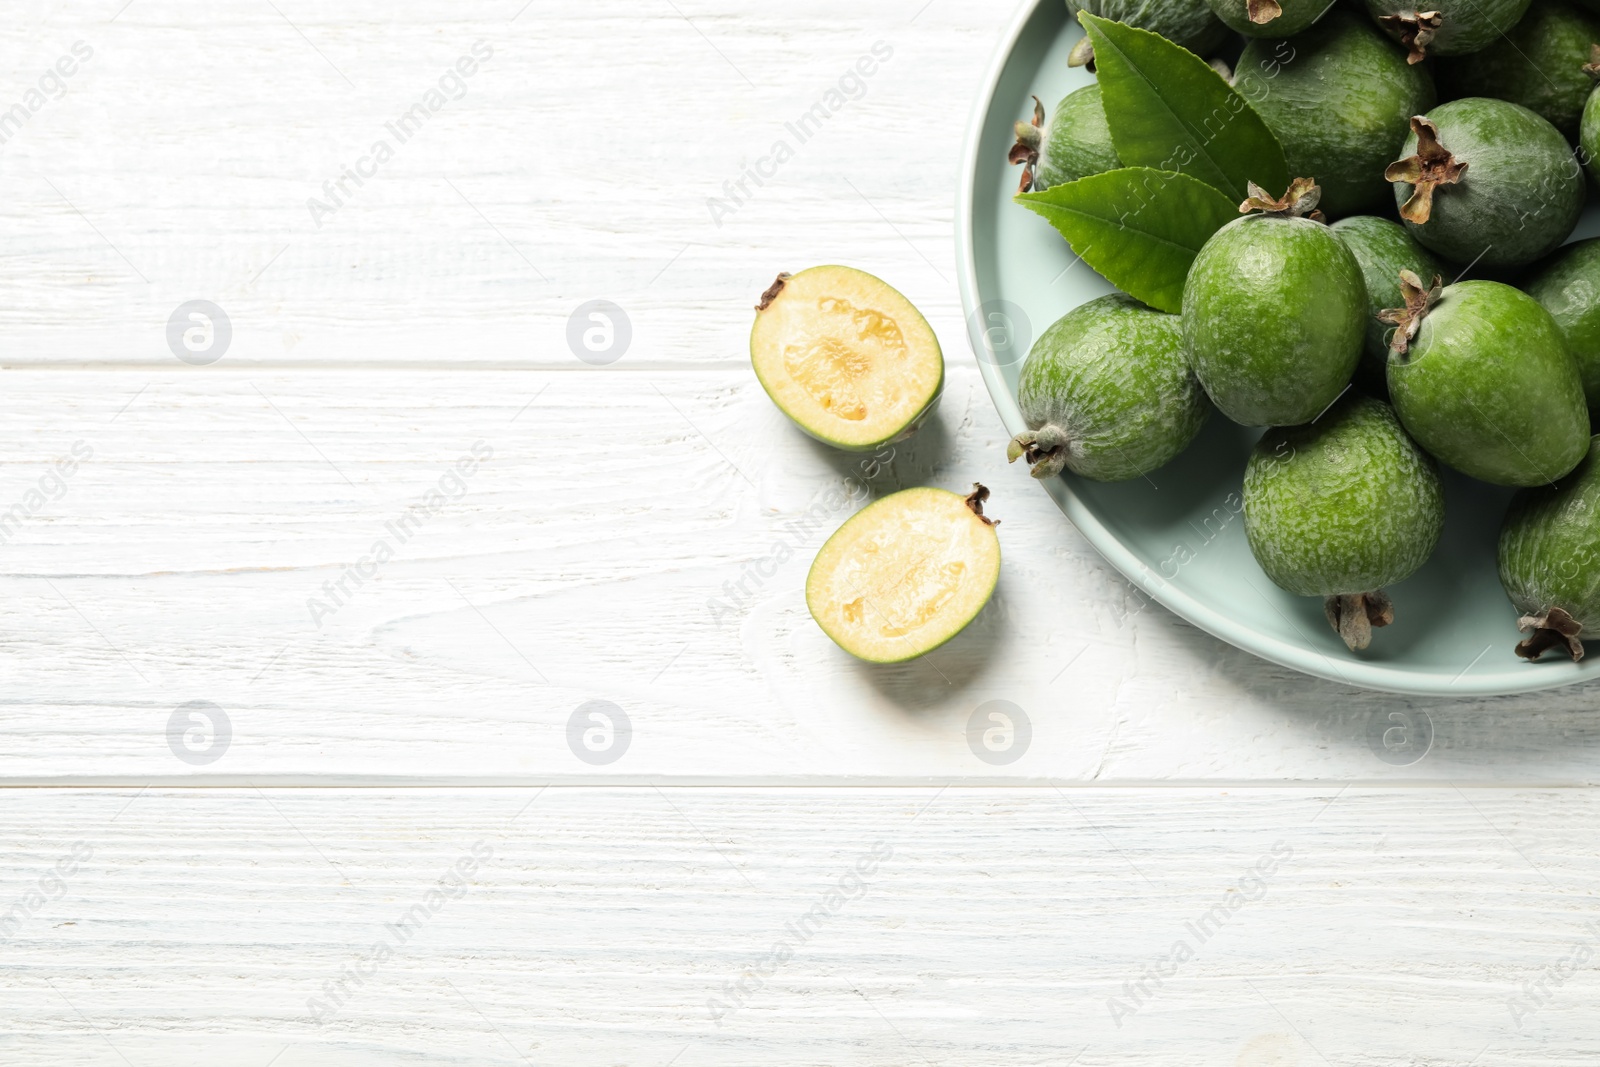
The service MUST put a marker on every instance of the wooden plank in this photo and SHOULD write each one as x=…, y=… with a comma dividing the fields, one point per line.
x=224, y=541
x=163, y=173
x=981, y=927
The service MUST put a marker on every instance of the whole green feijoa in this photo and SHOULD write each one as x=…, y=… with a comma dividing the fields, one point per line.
x=1337, y=98
x=1487, y=181
x=1383, y=249
x=1568, y=285
x=1480, y=375
x=1269, y=18
x=1589, y=123
x=1446, y=27
x=1107, y=393
x=1189, y=23
x=1073, y=144
x=1549, y=560
x=1274, y=312
x=1538, y=64
x=1342, y=508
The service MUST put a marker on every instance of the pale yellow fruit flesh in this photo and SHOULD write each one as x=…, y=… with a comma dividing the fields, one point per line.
x=904, y=575
x=846, y=357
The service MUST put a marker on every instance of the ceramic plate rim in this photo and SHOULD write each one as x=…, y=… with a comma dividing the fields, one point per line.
x=1170, y=595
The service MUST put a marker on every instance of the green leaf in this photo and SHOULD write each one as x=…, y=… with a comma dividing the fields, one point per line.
x=1138, y=226
x=1169, y=110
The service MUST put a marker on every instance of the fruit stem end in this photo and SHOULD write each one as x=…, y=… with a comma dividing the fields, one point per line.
x=1299, y=202
x=1354, y=615
x=1555, y=629
x=1026, y=151
x=1431, y=167
x=1045, y=449
x=772, y=292
x=1408, y=320
x=975, y=499
x=1416, y=31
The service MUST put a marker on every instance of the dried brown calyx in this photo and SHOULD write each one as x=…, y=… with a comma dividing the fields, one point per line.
x=1416, y=30
x=1431, y=167
x=1592, y=68
x=1082, y=54
x=975, y=500
x=1299, y=202
x=1408, y=320
x=772, y=292
x=1026, y=151
x=1045, y=449
x=1355, y=615
x=1555, y=629
x=1262, y=12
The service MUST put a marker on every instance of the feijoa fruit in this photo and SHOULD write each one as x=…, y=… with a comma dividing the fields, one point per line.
x=1342, y=508
x=1487, y=181
x=1480, y=375
x=1446, y=27
x=905, y=574
x=1539, y=64
x=1568, y=285
x=1549, y=560
x=1107, y=393
x=1073, y=144
x=1269, y=18
x=1189, y=23
x=846, y=357
x=1383, y=249
x=1274, y=312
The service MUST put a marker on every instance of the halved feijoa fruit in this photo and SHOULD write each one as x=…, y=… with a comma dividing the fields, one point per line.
x=846, y=357
x=905, y=574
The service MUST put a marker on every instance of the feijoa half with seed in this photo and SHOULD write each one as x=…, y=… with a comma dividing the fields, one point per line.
x=1274, y=312
x=1480, y=375
x=1549, y=560
x=1107, y=393
x=846, y=357
x=1341, y=508
x=905, y=574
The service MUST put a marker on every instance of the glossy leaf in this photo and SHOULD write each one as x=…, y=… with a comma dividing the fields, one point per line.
x=1168, y=109
x=1139, y=227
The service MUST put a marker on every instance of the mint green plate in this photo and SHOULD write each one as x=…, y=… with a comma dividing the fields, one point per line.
x=1178, y=535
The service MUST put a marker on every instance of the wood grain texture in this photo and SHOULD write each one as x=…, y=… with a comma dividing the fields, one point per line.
x=223, y=541
x=992, y=926
x=641, y=530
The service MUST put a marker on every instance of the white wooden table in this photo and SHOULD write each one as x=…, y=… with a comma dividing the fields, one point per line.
x=304, y=616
